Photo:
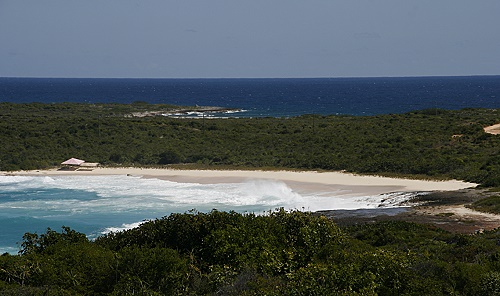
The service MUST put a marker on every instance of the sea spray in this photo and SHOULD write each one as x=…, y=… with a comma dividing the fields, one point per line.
x=270, y=193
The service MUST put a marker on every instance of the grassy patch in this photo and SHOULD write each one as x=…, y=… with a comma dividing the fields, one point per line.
x=489, y=204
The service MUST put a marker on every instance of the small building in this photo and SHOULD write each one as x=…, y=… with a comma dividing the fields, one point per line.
x=74, y=164
x=88, y=166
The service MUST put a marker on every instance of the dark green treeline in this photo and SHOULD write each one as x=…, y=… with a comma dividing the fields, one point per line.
x=434, y=143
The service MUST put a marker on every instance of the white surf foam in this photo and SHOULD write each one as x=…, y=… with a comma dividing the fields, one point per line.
x=112, y=203
x=123, y=193
x=124, y=226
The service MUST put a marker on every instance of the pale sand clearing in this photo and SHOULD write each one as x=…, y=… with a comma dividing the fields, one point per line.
x=466, y=220
x=494, y=129
x=307, y=181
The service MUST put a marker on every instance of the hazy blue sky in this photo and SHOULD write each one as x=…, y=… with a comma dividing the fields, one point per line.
x=251, y=38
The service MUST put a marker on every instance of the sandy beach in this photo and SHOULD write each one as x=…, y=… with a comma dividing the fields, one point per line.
x=334, y=194
x=494, y=129
x=303, y=181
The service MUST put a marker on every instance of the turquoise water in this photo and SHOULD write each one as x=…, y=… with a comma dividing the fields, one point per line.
x=98, y=204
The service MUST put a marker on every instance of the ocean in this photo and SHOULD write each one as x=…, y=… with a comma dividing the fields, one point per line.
x=269, y=97
x=98, y=204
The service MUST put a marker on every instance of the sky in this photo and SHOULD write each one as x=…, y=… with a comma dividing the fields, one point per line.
x=248, y=39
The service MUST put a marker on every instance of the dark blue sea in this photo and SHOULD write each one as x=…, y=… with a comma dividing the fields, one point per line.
x=269, y=97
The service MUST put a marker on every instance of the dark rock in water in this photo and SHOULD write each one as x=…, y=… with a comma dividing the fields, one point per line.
x=363, y=213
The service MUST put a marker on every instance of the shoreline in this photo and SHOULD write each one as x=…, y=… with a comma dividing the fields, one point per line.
x=302, y=181
x=450, y=212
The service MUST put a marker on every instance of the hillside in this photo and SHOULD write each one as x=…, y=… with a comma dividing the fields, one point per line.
x=427, y=143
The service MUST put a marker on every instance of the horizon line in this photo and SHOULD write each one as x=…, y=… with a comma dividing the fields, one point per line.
x=254, y=78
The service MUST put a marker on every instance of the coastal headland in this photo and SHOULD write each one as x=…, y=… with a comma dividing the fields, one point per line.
x=185, y=111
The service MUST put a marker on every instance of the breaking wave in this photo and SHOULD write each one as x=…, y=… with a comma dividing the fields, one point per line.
x=100, y=204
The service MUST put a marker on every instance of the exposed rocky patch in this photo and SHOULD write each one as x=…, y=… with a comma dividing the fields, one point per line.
x=446, y=210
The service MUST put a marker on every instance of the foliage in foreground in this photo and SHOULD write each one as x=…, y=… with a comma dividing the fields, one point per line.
x=435, y=143
x=281, y=253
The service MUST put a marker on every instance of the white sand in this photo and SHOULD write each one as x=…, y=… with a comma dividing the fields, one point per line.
x=304, y=181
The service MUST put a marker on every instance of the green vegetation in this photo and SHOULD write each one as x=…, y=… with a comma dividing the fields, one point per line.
x=429, y=143
x=489, y=204
x=281, y=253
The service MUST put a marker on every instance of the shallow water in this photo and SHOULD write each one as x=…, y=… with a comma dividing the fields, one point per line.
x=98, y=204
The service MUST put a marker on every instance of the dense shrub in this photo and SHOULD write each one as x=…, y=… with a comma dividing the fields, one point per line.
x=280, y=253
x=436, y=143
